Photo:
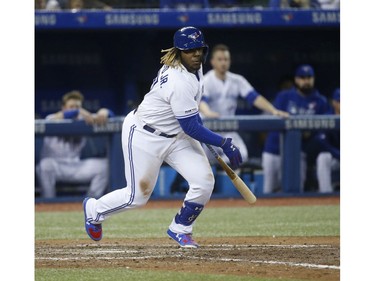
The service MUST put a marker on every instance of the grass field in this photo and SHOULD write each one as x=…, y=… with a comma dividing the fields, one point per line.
x=281, y=221
x=214, y=222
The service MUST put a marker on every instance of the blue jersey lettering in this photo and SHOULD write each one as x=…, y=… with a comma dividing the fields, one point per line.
x=163, y=79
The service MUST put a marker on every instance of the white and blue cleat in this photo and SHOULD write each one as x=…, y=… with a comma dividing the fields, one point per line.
x=184, y=240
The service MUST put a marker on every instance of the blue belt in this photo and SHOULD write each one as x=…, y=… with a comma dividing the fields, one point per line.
x=152, y=130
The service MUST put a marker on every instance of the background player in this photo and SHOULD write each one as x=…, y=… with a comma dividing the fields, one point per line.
x=167, y=127
x=329, y=160
x=60, y=156
x=303, y=99
x=222, y=89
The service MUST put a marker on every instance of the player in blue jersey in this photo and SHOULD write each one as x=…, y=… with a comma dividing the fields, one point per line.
x=303, y=99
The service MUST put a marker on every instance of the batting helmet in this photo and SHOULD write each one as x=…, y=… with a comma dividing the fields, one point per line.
x=188, y=38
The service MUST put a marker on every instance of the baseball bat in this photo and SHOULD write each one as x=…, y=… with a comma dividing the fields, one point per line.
x=236, y=180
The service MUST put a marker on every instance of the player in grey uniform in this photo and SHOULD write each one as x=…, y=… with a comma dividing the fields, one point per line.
x=60, y=156
x=222, y=89
x=166, y=127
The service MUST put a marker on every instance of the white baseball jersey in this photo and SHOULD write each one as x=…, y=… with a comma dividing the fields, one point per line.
x=175, y=93
x=62, y=147
x=223, y=95
x=222, y=98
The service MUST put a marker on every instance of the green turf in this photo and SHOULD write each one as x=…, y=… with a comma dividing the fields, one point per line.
x=106, y=274
x=213, y=222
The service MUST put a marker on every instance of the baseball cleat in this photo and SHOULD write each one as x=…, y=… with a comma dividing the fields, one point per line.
x=94, y=231
x=184, y=240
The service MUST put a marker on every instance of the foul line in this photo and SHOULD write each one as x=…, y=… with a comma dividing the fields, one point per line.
x=308, y=265
x=222, y=246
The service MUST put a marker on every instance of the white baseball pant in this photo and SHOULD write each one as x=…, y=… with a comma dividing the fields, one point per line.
x=92, y=171
x=272, y=171
x=325, y=164
x=144, y=153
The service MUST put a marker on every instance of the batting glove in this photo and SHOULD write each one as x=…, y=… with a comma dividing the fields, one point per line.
x=232, y=152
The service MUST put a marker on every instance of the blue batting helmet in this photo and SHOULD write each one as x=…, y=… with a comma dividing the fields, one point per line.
x=188, y=38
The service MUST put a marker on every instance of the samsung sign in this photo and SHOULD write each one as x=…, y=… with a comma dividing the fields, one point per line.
x=310, y=124
x=45, y=20
x=326, y=17
x=132, y=19
x=234, y=18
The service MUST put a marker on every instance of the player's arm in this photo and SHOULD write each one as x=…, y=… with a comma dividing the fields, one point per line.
x=254, y=98
x=64, y=114
x=86, y=115
x=205, y=109
x=102, y=115
x=193, y=127
x=56, y=116
x=263, y=104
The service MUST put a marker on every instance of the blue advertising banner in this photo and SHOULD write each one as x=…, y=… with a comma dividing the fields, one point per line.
x=226, y=18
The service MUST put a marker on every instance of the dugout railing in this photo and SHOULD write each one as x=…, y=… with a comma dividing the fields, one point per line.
x=110, y=134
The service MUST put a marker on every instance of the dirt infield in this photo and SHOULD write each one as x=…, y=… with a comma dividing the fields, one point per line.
x=305, y=258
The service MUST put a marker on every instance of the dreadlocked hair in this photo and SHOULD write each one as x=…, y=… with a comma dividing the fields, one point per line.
x=171, y=58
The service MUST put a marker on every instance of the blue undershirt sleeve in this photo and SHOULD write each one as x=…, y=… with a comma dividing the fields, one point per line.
x=205, y=99
x=199, y=119
x=251, y=96
x=194, y=129
x=71, y=113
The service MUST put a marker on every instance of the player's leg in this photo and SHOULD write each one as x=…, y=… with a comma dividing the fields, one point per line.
x=323, y=170
x=303, y=171
x=142, y=152
x=94, y=171
x=335, y=168
x=335, y=165
x=271, y=164
x=48, y=171
x=188, y=158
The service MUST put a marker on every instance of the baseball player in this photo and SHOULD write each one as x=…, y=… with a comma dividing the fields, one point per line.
x=166, y=127
x=222, y=89
x=60, y=156
x=303, y=99
x=329, y=159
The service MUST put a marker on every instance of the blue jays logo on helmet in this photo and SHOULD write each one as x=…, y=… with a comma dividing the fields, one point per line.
x=194, y=36
x=188, y=38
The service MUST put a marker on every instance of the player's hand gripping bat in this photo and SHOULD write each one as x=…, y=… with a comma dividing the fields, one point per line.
x=236, y=180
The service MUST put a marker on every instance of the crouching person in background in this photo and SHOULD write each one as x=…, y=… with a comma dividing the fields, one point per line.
x=61, y=155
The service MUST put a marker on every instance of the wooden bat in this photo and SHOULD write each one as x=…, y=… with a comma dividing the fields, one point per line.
x=236, y=180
